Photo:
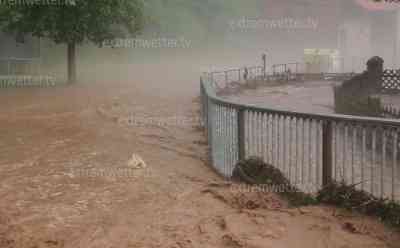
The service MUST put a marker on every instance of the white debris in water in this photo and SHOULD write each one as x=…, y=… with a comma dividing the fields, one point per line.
x=136, y=162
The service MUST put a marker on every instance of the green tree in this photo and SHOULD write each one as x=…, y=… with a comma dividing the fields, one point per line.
x=73, y=22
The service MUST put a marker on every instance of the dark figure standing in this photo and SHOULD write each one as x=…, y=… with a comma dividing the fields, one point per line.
x=246, y=73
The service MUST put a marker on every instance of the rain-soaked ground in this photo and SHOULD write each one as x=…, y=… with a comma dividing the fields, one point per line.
x=68, y=180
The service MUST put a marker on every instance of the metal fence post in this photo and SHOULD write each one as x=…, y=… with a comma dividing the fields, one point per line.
x=327, y=153
x=241, y=134
x=210, y=127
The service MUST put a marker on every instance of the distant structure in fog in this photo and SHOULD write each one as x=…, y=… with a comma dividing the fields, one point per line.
x=368, y=28
x=355, y=43
x=10, y=48
x=19, y=57
x=358, y=29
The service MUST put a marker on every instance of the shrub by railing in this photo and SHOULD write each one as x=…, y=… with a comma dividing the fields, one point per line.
x=311, y=150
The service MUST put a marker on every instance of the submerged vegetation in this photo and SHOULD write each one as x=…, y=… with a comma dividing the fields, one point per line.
x=350, y=198
x=254, y=171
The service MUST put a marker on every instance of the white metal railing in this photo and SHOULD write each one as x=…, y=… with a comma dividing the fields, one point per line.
x=310, y=149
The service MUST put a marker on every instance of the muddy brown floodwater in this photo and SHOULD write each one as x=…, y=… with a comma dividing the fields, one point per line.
x=65, y=180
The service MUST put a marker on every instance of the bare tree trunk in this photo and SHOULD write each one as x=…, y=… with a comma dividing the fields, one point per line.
x=71, y=63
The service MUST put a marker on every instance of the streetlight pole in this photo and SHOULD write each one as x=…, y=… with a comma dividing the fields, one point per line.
x=264, y=59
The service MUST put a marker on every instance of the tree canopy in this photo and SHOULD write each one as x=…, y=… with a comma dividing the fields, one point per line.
x=74, y=21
